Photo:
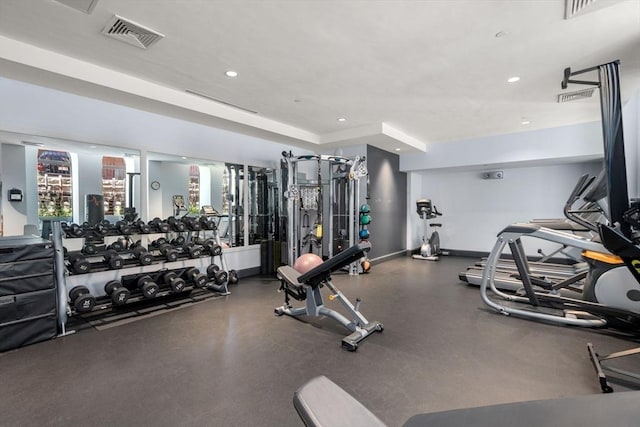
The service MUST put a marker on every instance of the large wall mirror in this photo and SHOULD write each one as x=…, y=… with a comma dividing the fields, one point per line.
x=263, y=206
x=185, y=186
x=66, y=180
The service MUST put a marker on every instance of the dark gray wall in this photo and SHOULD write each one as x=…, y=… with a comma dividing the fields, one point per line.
x=388, y=201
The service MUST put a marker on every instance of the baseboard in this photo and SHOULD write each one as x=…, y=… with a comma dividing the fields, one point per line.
x=247, y=272
x=391, y=256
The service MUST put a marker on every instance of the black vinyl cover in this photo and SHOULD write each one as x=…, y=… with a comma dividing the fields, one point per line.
x=27, y=318
x=21, y=248
x=26, y=276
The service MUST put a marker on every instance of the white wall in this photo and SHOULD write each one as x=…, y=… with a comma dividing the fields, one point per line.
x=36, y=110
x=560, y=145
x=631, y=129
x=476, y=209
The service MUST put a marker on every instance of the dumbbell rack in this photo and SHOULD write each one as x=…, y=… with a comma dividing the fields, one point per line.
x=95, y=281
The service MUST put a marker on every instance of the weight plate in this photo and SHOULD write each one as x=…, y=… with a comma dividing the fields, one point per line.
x=150, y=289
x=221, y=277
x=89, y=249
x=81, y=266
x=142, y=280
x=111, y=285
x=76, y=291
x=120, y=296
x=212, y=270
x=195, y=251
x=84, y=303
x=116, y=262
x=191, y=272
x=171, y=255
x=168, y=276
x=145, y=259
x=200, y=280
x=177, y=285
x=233, y=277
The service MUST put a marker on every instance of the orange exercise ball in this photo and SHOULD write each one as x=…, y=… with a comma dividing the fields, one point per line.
x=307, y=262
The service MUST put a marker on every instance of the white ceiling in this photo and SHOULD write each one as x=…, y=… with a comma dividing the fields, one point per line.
x=403, y=73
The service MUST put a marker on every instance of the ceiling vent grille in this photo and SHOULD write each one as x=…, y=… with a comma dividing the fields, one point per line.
x=573, y=96
x=574, y=7
x=131, y=32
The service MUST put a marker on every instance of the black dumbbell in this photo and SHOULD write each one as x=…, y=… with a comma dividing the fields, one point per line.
x=208, y=223
x=89, y=249
x=233, y=277
x=75, y=230
x=169, y=252
x=123, y=228
x=118, y=293
x=176, y=283
x=117, y=246
x=143, y=255
x=215, y=273
x=79, y=264
x=101, y=229
x=148, y=287
x=192, y=223
x=81, y=299
x=159, y=225
x=157, y=243
x=142, y=227
x=113, y=259
x=193, y=275
x=216, y=250
x=176, y=224
x=179, y=241
x=194, y=251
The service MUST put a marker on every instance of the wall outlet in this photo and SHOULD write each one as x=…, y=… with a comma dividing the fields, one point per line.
x=493, y=175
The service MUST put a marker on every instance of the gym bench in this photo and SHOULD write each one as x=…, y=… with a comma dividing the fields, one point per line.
x=322, y=403
x=307, y=286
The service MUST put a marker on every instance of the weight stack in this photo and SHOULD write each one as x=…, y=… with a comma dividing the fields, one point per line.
x=94, y=208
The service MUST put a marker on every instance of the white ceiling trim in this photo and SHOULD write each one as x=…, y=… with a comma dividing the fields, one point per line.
x=42, y=59
x=374, y=133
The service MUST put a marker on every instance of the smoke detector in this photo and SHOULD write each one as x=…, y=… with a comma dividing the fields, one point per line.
x=131, y=32
x=573, y=96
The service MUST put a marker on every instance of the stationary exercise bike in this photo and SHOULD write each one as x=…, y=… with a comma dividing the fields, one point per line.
x=430, y=249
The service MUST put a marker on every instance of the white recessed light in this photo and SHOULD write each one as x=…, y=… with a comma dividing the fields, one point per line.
x=513, y=79
x=525, y=121
x=93, y=146
x=397, y=149
x=231, y=73
x=183, y=158
x=342, y=119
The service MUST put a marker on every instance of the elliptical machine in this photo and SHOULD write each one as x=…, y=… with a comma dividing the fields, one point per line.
x=430, y=249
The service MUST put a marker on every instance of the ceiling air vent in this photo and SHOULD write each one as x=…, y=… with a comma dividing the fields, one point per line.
x=131, y=32
x=574, y=8
x=573, y=96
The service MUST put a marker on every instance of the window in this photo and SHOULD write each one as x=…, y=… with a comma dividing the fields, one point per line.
x=114, y=174
x=55, y=192
x=194, y=189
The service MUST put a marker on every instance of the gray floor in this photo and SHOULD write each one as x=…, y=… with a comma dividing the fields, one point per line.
x=230, y=362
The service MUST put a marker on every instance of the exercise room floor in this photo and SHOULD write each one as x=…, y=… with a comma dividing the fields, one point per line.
x=229, y=361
